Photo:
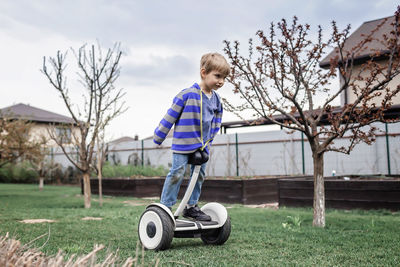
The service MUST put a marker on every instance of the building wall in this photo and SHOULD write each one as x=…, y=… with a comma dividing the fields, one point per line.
x=41, y=130
x=351, y=96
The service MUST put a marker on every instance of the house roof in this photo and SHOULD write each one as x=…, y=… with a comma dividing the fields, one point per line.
x=26, y=112
x=364, y=30
x=121, y=140
x=393, y=113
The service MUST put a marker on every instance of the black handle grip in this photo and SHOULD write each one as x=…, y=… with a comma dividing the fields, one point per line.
x=198, y=157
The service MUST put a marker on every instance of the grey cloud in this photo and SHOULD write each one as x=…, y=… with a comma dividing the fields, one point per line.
x=160, y=69
x=179, y=23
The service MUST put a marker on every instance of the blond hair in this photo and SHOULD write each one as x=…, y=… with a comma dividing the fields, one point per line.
x=215, y=61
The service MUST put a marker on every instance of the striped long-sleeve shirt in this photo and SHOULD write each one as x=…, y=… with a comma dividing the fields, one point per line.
x=186, y=114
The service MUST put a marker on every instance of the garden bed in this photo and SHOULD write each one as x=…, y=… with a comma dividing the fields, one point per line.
x=351, y=192
x=244, y=191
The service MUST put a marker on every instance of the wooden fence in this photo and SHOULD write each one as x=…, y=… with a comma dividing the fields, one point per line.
x=247, y=191
x=365, y=193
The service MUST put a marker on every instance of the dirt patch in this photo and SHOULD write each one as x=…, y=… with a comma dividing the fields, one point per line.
x=135, y=203
x=151, y=198
x=92, y=219
x=37, y=221
x=274, y=205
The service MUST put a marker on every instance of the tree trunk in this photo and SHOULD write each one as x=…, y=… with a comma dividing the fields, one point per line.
x=100, y=157
x=41, y=183
x=100, y=176
x=319, y=191
x=100, y=190
x=86, y=189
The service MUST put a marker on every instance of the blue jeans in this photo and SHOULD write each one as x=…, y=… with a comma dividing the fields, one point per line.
x=174, y=180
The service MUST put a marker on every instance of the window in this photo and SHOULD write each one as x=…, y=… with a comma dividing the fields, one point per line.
x=64, y=134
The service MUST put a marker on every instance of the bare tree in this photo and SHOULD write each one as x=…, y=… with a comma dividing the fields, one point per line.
x=43, y=165
x=16, y=142
x=280, y=81
x=102, y=102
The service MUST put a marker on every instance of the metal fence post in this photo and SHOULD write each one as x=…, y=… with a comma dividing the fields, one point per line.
x=302, y=152
x=387, y=148
x=237, y=155
x=51, y=162
x=142, y=153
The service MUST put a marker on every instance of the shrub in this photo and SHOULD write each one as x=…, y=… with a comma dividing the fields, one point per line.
x=21, y=172
x=111, y=171
x=69, y=175
x=24, y=172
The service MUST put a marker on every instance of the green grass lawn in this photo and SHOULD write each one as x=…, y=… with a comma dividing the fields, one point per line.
x=260, y=237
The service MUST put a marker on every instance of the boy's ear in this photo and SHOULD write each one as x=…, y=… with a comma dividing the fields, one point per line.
x=202, y=72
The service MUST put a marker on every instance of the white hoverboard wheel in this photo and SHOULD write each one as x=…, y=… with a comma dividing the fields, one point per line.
x=219, y=214
x=219, y=236
x=156, y=229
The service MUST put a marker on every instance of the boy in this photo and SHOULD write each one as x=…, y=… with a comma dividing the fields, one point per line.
x=196, y=113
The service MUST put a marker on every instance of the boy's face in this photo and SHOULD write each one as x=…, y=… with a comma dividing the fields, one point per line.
x=212, y=80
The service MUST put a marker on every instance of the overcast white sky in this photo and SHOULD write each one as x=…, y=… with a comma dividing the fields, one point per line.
x=162, y=43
